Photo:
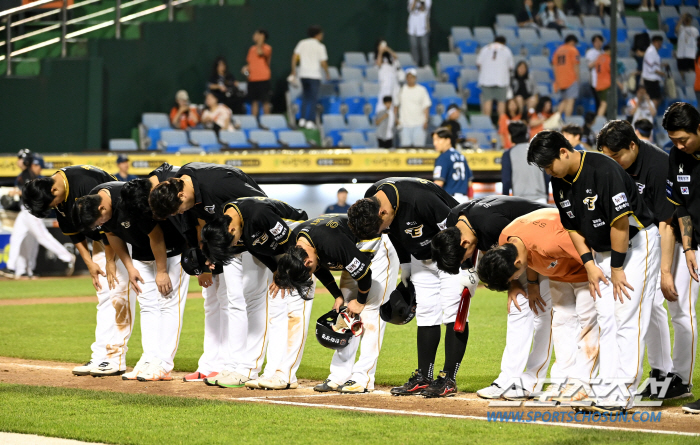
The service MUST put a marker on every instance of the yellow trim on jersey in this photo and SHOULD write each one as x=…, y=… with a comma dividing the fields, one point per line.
x=641, y=226
x=672, y=201
x=292, y=220
x=306, y=235
x=363, y=275
x=580, y=167
x=620, y=216
x=289, y=233
x=397, y=196
x=240, y=215
x=368, y=250
x=65, y=182
x=73, y=233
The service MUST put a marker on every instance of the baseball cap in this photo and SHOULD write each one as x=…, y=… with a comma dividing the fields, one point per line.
x=23, y=153
x=412, y=71
x=450, y=108
x=37, y=159
x=182, y=95
x=122, y=158
x=342, y=189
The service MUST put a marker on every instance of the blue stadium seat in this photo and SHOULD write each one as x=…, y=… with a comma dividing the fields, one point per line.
x=190, y=150
x=450, y=65
x=154, y=123
x=351, y=96
x=123, y=145
x=172, y=140
x=355, y=59
x=621, y=34
x=506, y=21
x=263, y=139
x=246, y=122
x=206, y=139
x=352, y=74
x=372, y=74
x=426, y=77
x=274, y=122
x=474, y=90
x=333, y=125
x=359, y=122
x=406, y=60
x=293, y=139
x=469, y=46
x=234, y=139
x=480, y=122
x=483, y=34
x=353, y=139
x=446, y=94
x=469, y=60
x=551, y=47
x=666, y=50
x=550, y=35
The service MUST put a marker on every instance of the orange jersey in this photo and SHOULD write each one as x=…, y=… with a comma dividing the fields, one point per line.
x=565, y=64
x=550, y=250
x=602, y=68
x=259, y=65
x=503, y=123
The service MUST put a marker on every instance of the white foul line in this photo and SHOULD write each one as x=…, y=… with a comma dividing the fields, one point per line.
x=456, y=416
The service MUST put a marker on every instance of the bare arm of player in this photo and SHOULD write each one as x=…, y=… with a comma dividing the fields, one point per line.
x=160, y=253
x=514, y=290
x=110, y=265
x=355, y=307
x=120, y=248
x=534, y=298
x=439, y=182
x=686, y=225
x=668, y=242
x=205, y=279
x=93, y=268
x=619, y=242
x=595, y=274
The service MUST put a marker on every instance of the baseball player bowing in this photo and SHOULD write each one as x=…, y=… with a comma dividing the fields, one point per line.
x=203, y=189
x=262, y=227
x=477, y=225
x=413, y=211
x=537, y=242
x=648, y=166
x=59, y=192
x=614, y=232
x=370, y=269
x=682, y=121
x=155, y=274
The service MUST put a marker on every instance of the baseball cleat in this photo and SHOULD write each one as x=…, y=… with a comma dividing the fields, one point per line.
x=70, y=266
x=85, y=369
x=212, y=379
x=692, y=408
x=106, y=369
x=253, y=384
x=140, y=367
x=414, y=386
x=194, y=377
x=515, y=393
x=276, y=382
x=572, y=393
x=154, y=373
x=442, y=386
x=326, y=386
x=490, y=392
x=231, y=379
x=676, y=390
x=352, y=387
x=655, y=375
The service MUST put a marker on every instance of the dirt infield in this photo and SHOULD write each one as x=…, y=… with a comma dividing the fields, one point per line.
x=463, y=406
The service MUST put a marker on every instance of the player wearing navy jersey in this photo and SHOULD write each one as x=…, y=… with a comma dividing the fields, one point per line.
x=682, y=121
x=648, y=166
x=600, y=206
x=451, y=171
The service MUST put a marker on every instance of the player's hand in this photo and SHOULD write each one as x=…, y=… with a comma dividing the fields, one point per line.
x=668, y=287
x=165, y=286
x=339, y=301
x=619, y=281
x=274, y=290
x=134, y=279
x=405, y=273
x=355, y=308
x=692, y=263
x=595, y=276
x=515, y=290
x=95, y=273
x=112, y=279
x=535, y=299
x=205, y=280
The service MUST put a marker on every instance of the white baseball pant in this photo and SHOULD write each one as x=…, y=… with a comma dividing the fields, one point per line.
x=438, y=293
x=216, y=319
x=123, y=300
x=105, y=326
x=27, y=225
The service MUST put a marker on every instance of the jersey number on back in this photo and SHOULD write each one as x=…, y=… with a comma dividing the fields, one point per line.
x=459, y=172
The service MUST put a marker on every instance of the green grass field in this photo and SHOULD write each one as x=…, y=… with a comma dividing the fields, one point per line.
x=64, y=332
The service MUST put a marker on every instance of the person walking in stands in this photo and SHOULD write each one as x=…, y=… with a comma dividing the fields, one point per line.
x=257, y=69
x=123, y=166
x=652, y=75
x=566, y=61
x=311, y=56
x=495, y=62
x=419, y=30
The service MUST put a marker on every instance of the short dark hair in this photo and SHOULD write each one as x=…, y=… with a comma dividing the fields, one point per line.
x=443, y=133
x=574, y=129
x=544, y=148
x=657, y=38
x=541, y=103
x=37, y=196
x=217, y=241
x=597, y=37
x=293, y=274
x=500, y=39
x=164, y=199
x=314, y=30
x=497, y=266
x=644, y=127
x=606, y=47
x=447, y=251
x=134, y=198
x=387, y=99
x=617, y=135
x=681, y=116
x=364, y=219
x=518, y=132
x=86, y=212
x=571, y=38
x=264, y=33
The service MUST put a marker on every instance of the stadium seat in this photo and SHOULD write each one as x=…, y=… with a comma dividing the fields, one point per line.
x=461, y=33
x=154, y=123
x=531, y=41
x=372, y=74
x=172, y=140
x=483, y=140
x=629, y=63
x=206, y=139
x=293, y=139
x=576, y=120
x=123, y=145
x=353, y=139
x=541, y=76
x=469, y=60
x=355, y=59
x=426, y=77
x=635, y=24
x=692, y=10
x=246, y=122
x=333, y=74
x=333, y=125
x=607, y=22
x=467, y=75
x=449, y=66
x=592, y=22
x=445, y=94
x=598, y=124
x=274, y=122
x=666, y=11
x=234, y=139
x=689, y=79
x=351, y=97
x=544, y=89
x=474, y=97
x=190, y=150
x=506, y=21
x=508, y=33
x=352, y=74
x=621, y=34
x=623, y=49
x=551, y=48
x=406, y=60
x=550, y=35
x=480, y=122
x=541, y=63
x=263, y=139
x=370, y=89
x=467, y=46
x=359, y=122
x=483, y=34
x=371, y=139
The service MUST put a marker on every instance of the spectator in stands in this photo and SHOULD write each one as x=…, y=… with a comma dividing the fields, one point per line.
x=517, y=175
x=312, y=57
x=452, y=171
x=526, y=18
x=123, y=166
x=644, y=129
x=524, y=87
x=687, y=44
x=257, y=70
x=414, y=111
x=495, y=63
x=640, y=43
x=696, y=87
x=216, y=116
x=388, y=73
x=640, y=106
x=588, y=136
x=603, y=80
x=652, y=74
x=647, y=5
x=566, y=61
x=385, y=121
x=342, y=205
x=513, y=113
x=591, y=57
x=552, y=16
x=539, y=115
x=183, y=115
x=224, y=86
x=452, y=122
x=419, y=30
x=572, y=133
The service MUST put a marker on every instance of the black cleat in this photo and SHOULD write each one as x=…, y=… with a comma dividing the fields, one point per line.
x=654, y=375
x=414, y=386
x=676, y=390
x=442, y=386
x=326, y=386
x=692, y=408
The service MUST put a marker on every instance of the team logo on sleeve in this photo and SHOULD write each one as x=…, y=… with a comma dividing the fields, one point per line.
x=570, y=214
x=680, y=168
x=683, y=178
x=354, y=265
x=619, y=198
x=415, y=232
x=279, y=228
x=641, y=188
x=442, y=225
x=437, y=172
x=685, y=191
x=261, y=240
x=590, y=202
x=210, y=209
x=126, y=224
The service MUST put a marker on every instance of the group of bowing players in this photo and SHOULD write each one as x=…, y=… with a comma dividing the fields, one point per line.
x=586, y=279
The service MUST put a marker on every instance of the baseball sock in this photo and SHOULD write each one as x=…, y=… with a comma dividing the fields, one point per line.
x=455, y=345
x=428, y=341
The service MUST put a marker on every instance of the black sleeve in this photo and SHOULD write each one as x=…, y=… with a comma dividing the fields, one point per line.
x=326, y=278
x=663, y=208
x=401, y=252
x=673, y=192
x=364, y=284
x=371, y=191
x=77, y=238
x=565, y=220
x=613, y=200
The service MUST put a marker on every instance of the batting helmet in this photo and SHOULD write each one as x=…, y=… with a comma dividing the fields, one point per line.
x=401, y=307
x=327, y=336
x=194, y=263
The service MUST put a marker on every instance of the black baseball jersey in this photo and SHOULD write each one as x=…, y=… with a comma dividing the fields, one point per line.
x=488, y=216
x=599, y=194
x=80, y=180
x=215, y=185
x=165, y=172
x=185, y=223
x=650, y=171
x=265, y=230
x=337, y=249
x=135, y=232
x=421, y=210
x=683, y=172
